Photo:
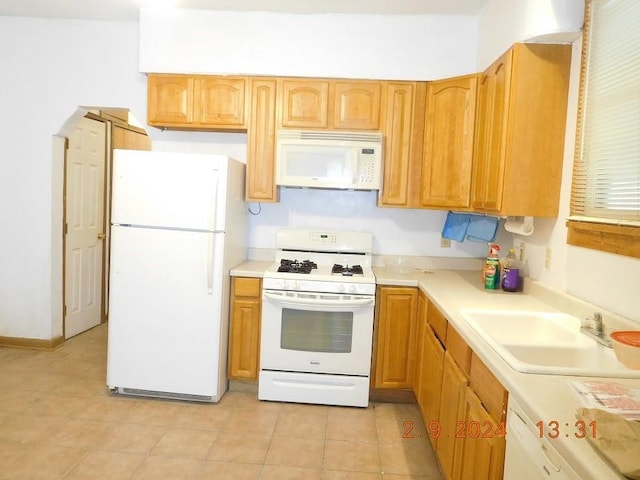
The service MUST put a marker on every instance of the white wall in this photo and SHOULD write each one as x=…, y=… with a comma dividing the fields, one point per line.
x=418, y=47
x=504, y=22
x=49, y=67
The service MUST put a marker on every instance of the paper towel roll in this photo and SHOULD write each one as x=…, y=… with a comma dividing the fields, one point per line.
x=519, y=225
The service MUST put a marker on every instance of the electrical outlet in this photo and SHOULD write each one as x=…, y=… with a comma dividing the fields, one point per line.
x=547, y=258
x=445, y=242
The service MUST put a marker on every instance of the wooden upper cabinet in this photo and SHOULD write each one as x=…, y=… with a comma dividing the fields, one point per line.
x=356, y=105
x=520, y=131
x=305, y=103
x=197, y=102
x=169, y=100
x=261, y=135
x=221, y=102
x=448, y=143
x=401, y=124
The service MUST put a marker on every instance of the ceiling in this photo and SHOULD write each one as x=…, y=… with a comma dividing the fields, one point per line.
x=129, y=9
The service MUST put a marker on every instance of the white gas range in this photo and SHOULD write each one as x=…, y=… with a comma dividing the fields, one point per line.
x=317, y=319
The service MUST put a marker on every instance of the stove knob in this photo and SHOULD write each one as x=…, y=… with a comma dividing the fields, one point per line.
x=286, y=285
x=296, y=285
x=352, y=289
x=341, y=288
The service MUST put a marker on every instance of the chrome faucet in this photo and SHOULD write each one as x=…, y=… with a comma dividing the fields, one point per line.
x=596, y=332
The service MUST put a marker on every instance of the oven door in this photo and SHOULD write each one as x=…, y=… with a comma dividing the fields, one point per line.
x=316, y=332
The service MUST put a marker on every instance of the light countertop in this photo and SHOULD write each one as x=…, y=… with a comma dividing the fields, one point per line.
x=544, y=397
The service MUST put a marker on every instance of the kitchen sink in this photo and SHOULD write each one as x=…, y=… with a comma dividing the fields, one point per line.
x=545, y=342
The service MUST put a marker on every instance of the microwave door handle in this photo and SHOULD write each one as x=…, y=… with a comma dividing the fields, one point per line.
x=297, y=302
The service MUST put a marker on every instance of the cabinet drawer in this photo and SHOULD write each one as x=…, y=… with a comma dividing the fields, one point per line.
x=459, y=350
x=437, y=321
x=246, y=287
x=488, y=389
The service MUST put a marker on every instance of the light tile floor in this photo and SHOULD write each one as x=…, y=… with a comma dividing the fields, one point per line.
x=58, y=421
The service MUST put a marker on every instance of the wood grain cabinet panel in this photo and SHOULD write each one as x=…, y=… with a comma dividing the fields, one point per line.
x=448, y=142
x=196, y=102
x=356, y=105
x=429, y=399
x=305, y=103
x=395, y=337
x=261, y=137
x=221, y=102
x=482, y=455
x=170, y=100
x=452, y=409
x=244, y=329
x=400, y=120
x=520, y=131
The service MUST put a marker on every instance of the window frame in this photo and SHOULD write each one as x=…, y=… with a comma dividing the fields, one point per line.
x=597, y=234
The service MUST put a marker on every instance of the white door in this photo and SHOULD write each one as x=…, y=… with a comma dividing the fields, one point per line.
x=84, y=218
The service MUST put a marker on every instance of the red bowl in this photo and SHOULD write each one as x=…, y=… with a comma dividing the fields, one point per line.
x=626, y=344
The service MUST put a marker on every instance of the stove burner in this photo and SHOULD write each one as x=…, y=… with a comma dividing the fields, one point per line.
x=346, y=270
x=294, y=266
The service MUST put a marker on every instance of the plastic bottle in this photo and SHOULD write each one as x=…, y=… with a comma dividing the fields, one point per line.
x=492, y=268
x=511, y=272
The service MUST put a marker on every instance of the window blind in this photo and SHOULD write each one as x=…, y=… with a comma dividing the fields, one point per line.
x=606, y=177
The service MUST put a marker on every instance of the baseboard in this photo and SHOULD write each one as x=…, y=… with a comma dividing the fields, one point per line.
x=31, y=343
x=384, y=395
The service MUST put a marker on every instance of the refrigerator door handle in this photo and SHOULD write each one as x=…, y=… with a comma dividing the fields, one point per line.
x=210, y=257
x=212, y=226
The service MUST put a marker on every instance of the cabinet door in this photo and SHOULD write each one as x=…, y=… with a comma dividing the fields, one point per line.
x=244, y=329
x=448, y=142
x=431, y=380
x=483, y=454
x=397, y=127
x=220, y=102
x=356, y=105
x=261, y=141
x=169, y=100
x=305, y=104
x=395, y=337
x=452, y=409
x=421, y=324
x=491, y=141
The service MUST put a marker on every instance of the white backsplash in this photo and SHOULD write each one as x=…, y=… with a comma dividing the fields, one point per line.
x=396, y=231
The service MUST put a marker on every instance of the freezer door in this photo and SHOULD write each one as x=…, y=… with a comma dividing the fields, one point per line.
x=164, y=189
x=165, y=311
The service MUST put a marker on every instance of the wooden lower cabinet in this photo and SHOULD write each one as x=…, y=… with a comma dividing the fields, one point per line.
x=430, y=397
x=452, y=403
x=244, y=329
x=395, y=337
x=452, y=386
x=483, y=455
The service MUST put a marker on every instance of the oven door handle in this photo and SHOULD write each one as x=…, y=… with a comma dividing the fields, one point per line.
x=297, y=302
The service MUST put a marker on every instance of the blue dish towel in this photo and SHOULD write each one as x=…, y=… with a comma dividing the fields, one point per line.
x=455, y=227
x=482, y=228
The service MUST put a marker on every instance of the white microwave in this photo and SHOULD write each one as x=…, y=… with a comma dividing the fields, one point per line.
x=331, y=159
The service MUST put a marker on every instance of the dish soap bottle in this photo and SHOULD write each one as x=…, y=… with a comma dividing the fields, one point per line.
x=511, y=272
x=492, y=268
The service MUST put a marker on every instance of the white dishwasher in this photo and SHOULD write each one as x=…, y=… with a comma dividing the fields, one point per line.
x=529, y=456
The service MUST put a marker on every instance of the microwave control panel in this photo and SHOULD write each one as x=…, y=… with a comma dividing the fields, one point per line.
x=367, y=166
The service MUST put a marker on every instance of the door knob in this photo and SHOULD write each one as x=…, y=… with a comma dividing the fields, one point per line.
x=102, y=236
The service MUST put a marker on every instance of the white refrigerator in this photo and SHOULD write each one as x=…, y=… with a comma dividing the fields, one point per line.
x=178, y=225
